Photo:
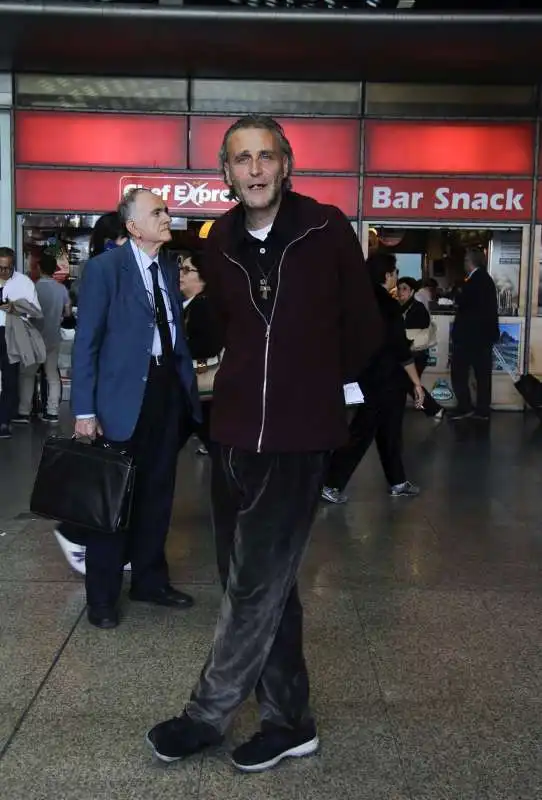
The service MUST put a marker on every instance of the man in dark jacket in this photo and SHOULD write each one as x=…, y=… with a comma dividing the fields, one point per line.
x=299, y=317
x=475, y=331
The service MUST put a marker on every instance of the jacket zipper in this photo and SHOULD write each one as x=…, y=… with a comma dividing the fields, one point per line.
x=268, y=324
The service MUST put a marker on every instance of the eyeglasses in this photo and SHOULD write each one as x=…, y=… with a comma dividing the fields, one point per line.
x=185, y=270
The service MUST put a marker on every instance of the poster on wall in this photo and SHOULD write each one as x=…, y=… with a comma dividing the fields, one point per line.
x=509, y=345
x=504, y=267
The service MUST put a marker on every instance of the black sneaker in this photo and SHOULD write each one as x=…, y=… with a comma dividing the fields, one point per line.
x=181, y=737
x=5, y=432
x=268, y=747
x=21, y=419
x=51, y=418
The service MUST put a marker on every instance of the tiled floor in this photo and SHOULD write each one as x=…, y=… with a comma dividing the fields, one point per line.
x=423, y=637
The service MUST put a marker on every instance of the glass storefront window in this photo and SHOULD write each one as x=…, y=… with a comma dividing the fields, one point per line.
x=413, y=99
x=276, y=97
x=102, y=93
x=439, y=254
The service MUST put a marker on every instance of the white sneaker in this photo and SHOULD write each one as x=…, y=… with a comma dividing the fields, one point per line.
x=75, y=554
x=406, y=489
x=334, y=496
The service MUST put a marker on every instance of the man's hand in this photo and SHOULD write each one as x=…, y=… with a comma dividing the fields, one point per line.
x=88, y=428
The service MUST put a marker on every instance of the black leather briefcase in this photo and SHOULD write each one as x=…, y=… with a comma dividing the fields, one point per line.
x=84, y=484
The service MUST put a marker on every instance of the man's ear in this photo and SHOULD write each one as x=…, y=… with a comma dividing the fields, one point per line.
x=227, y=175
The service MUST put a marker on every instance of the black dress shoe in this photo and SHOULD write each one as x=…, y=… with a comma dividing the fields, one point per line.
x=102, y=617
x=167, y=596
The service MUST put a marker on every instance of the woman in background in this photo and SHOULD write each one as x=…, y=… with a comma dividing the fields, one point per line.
x=109, y=232
x=417, y=323
x=201, y=333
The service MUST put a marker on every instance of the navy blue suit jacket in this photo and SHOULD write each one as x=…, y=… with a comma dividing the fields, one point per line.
x=113, y=342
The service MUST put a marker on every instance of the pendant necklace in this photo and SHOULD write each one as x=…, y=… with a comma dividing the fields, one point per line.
x=265, y=287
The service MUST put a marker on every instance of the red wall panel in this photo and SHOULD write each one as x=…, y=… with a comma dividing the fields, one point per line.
x=114, y=140
x=188, y=194
x=330, y=145
x=451, y=147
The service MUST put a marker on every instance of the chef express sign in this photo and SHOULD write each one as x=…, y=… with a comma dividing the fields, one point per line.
x=419, y=198
x=183, y=194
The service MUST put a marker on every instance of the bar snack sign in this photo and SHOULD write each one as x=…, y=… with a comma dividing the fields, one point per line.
x=445, y=198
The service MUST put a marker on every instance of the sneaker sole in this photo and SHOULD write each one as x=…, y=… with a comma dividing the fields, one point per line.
x=160, y=756
x=333, y=502
x=305, y=749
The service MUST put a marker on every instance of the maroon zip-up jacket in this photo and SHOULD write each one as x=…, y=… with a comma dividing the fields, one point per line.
x=279, y=387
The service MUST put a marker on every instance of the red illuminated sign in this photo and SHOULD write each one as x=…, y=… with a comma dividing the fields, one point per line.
x=186, y=195
x=330, y=145
x=459, y=199
x=452, y=147
x=115, y=140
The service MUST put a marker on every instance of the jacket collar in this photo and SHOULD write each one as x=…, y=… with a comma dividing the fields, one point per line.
x=297, y=215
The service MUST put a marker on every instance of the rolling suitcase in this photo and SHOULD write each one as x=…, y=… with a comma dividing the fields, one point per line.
x=529, y=387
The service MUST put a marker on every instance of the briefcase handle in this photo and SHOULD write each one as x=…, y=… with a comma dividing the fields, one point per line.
x=98, y=442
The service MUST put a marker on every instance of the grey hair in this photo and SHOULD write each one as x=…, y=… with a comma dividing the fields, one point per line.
x=265, y=123
x=125, y=208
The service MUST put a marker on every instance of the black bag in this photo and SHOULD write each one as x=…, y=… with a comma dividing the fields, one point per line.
x=84, y=484
x=527, y=385
x=530, y=389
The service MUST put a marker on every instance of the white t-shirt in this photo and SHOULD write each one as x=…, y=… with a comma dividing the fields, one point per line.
x=18, y=287
x=261, y=233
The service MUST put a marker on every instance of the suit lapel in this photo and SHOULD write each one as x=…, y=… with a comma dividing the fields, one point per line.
x=133, y=273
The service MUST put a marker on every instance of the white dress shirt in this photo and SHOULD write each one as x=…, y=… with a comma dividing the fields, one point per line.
x=18, y=287
x=144, y=262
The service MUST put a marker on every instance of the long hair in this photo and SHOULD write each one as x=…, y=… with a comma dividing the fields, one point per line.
x=264, y=123
x=109, y=227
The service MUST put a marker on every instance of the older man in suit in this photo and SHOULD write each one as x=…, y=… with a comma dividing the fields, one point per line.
x=133, y=383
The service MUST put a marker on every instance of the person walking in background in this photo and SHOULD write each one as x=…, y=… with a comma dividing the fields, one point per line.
x=13, y=286
x=475, y=330
x=380, y=417
x=201, y=333
x=299, y=318
x=134, y=385
x=55, y=305
x=108, y=233
x=418, y=327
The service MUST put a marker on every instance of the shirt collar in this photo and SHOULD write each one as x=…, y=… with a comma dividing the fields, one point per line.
x=142, y=259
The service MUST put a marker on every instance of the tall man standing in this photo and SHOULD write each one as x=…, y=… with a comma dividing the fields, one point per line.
x=133, y=382
x=475, y=331
x=299, y=318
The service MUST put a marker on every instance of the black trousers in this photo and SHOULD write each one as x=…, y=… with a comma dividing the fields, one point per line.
x=380, y=418
x=9, y=392
x=430, y=406
x=479, y=357
x=263, y=508
x=155, y=446
x=203, y=430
